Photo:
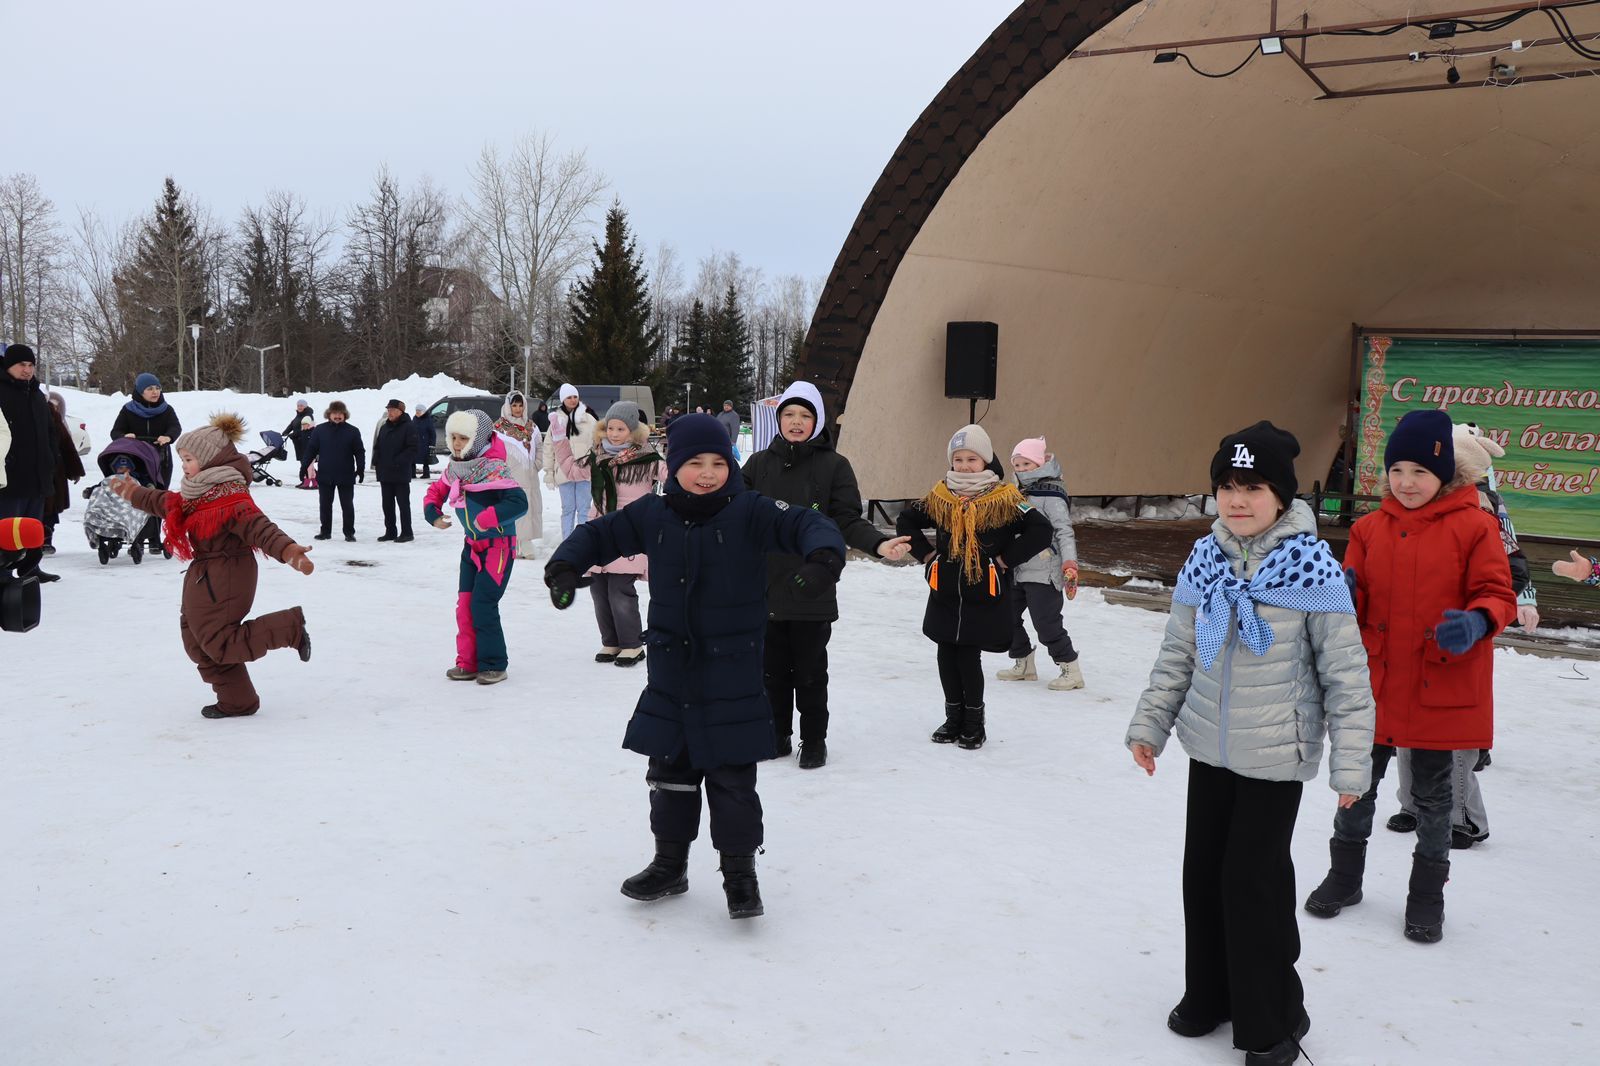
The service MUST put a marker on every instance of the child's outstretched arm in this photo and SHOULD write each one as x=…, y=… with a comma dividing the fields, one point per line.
x=147, y=499
x=600, y=541
x=795, y=530
x=259, y=531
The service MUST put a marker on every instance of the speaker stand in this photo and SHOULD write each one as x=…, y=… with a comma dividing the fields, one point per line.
x=972, y=411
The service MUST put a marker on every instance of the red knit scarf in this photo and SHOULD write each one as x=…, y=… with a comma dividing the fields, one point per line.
x=206, y=517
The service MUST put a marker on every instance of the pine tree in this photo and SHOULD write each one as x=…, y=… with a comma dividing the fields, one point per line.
x=686, y=365
x=725, y=373
x=610, y=337
x=162, y=291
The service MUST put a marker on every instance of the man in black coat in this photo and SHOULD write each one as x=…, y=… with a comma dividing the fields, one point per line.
x=296, y=433
x=801, y=469
x=31, y=459
x=341, y=461
x=423, y=427
x=393, y=448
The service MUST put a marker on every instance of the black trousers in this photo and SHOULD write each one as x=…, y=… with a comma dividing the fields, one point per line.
x=796, y=671
x=1240, y=936
x=396, y=495
x=961, y=674
x=347, y=506
x=736, y=827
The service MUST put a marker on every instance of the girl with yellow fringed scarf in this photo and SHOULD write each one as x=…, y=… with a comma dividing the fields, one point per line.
x=983, y=529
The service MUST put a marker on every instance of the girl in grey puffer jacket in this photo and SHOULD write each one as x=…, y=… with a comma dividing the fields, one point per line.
x=1038, y=583
x=1261, y=657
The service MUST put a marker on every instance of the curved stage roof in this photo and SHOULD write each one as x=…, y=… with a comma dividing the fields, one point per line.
x=1171, y=257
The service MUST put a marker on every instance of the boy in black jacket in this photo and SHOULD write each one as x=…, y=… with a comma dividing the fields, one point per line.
x=703, y=716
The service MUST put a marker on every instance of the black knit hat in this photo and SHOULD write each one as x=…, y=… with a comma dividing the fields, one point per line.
x=1263, y=450
x=693, y=435
x=1427, y=439
x=17, y=353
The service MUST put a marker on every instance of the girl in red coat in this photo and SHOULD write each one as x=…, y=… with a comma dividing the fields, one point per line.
x=1432, y=588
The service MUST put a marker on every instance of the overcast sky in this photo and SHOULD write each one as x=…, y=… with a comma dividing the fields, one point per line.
x=750, y=126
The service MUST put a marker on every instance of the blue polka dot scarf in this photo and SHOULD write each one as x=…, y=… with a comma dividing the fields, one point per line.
x=1300, y=573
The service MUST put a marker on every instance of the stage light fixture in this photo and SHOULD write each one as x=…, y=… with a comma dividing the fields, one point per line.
x=1271, y=46
x=1442, y=31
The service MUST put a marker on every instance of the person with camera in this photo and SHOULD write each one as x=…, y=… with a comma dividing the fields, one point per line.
x=30, y=461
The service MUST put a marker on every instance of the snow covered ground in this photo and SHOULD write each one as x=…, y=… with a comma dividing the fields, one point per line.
x=385, y=867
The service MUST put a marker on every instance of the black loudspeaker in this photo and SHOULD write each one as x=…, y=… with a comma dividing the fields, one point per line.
x=971, y=357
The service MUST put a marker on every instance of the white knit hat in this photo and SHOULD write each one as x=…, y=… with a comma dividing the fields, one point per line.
x=973, y=438
x=568, y=392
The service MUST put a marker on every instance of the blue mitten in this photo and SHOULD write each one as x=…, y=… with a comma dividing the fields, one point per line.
x=1350, y=581
x=1460, y=630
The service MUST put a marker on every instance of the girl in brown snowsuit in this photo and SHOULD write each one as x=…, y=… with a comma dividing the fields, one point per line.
x=213, y=521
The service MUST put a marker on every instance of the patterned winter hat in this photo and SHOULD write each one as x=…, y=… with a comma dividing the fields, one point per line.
x=473, y=424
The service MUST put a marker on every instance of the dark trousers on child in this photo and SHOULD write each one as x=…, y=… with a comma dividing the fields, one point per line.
x=1043, y=601
x=730, y=793
x=961, y=674
x=396, y=496
x=796, y=670
x=616, y=610
x=347, y=506
x=1430, y=790
x=1240, y=936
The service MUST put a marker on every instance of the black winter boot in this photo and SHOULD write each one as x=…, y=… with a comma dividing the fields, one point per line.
x=1185, y=1020
x=1285, y=1051
x=667, y=874
x=813, y=754
x=1342, y=887
x=972, y=734
x=1425, y=900
x=739, y=884
x=947, y=733
x=1402, y=822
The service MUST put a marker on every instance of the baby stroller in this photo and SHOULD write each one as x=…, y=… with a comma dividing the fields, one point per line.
x=110, y=522
x=260, y=457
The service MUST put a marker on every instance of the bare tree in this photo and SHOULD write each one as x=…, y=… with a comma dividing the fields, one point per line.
x=528, y=221
x=32, y=256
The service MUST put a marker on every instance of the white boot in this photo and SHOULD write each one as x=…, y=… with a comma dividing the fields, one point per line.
x=1071, y=678
x=1021, y=670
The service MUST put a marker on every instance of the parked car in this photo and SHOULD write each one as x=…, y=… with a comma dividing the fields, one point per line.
x=600, y=397
x=443, y=408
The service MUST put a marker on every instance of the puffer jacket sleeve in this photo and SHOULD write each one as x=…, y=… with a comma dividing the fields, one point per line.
x=794, y=530
x=1347, y=701
x=150, y=500
x=604, y=540
x=1489, y=577
x=262, y=532
x=1169, y=683
x=1032, y=538
x=844, y=507
x=1060, y=516
x=911, y=522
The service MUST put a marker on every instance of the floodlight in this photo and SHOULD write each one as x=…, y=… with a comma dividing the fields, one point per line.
x=1271, y=46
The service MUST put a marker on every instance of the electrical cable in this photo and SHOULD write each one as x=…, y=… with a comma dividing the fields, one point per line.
x=1253, y=53
x=1568, y=37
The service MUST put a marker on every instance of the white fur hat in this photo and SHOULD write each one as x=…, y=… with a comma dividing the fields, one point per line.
x=473, y=424
x=1475, y=453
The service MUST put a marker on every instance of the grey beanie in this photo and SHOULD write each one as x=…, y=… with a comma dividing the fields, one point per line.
x=624, y=411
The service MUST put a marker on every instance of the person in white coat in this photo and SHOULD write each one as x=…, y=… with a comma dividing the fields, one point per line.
x=524, y=447
x=571, y=437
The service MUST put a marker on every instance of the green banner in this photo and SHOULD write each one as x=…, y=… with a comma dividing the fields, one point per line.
x=1538, y=399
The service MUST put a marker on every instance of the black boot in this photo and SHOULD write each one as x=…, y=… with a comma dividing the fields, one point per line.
x=1342, y=887
x=813, y=754
x=739, y=884
x=1425, y=900
x=785, y=747
x=667, y=874
x=1402, y=822
x=1185, y=1020
x=1285, y=1051
x=947, y=733
x=972, y=734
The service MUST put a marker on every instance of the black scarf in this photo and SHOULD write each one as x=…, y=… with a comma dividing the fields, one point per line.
x=694, y=508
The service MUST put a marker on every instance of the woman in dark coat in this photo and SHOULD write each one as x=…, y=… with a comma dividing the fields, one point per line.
x=68, y=468
x=148, y=417
x=297, y=431
x=985, y=529
x=423, y=426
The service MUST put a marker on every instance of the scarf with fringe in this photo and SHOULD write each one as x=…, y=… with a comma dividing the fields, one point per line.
x=206, y=516
x=520, y=431
x=967, y=516
x=631, y=466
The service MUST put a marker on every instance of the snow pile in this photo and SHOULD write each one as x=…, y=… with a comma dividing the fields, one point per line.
x=385, y=867
x=1120, y=508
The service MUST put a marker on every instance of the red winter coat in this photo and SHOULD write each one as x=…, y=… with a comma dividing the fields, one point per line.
x=1412, y=566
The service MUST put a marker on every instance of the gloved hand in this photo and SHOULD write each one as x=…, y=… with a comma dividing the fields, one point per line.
x=563, y=583
x=361, y=477
x=487, y=518
x=818, y=574
x=1069, y=578
x=1460, y=630
x=1350, y=580
x=295, y=555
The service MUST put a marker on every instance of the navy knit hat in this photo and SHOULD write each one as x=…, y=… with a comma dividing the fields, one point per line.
x=144, y=381
x=692, y=435
x=1427, y=439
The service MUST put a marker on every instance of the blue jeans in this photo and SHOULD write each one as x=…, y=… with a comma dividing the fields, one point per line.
x=573, y=494
x=1430, y=790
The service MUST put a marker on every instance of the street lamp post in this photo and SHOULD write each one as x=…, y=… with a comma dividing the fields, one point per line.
x=261, y=354
x=194, y=331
